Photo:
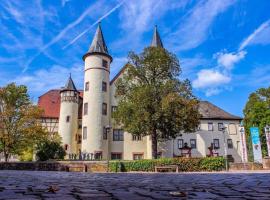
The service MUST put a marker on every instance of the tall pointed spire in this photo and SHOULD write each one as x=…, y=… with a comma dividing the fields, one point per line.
x=69, y=85
x=98, y=45
x=156, y=41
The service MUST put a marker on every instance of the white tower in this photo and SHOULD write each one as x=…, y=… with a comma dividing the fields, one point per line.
x=96, y=100
x=68, y=119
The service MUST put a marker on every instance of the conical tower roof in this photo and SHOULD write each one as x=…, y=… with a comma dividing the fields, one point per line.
x=98, y=45
x=69, y=85
x=156, y=41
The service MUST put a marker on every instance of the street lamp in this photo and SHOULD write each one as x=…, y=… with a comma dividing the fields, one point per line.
x=225, y=147
x=108, y=130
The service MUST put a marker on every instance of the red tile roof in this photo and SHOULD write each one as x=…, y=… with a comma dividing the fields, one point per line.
x=50, y=103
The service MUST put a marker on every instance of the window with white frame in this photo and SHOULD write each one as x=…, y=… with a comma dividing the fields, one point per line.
x=180, y=143
x=230, y=143
x=210, y=126
x=220, y=126
x=118, y=135
x=216, y=144
x=193, y=143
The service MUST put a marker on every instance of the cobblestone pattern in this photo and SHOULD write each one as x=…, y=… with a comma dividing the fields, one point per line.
x=128, y=186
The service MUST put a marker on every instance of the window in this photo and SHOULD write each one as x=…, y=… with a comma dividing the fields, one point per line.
x=220, y=126
x=85, y=133
x=66, y=147
x=79, y=139
x=104, y=109
x=116, y=156
x=104, y=63
x=193, y=144
x=210, y=126
x=114, y=108
x=137, y=156
x=216, y=144
x=68, y=118
x=85, y=109
x=180, y=143
x=136, y=137
x=230, y=143
x=118, y=135
x=104, y=87
x=98, y=155
x=87, y=86
x=105, y=133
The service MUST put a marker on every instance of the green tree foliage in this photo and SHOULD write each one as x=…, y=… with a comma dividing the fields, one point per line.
x=152, y=99
x=20, y=126
x=50, y=150
x=257, y=113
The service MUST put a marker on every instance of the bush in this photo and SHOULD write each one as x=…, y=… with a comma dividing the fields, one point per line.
x=184, y=164
x=50, y=150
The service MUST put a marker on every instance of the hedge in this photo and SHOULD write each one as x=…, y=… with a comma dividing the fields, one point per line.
x=184, y=164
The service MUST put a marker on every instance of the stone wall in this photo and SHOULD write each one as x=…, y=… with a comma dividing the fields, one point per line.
x=72, y=166
x=245, y=166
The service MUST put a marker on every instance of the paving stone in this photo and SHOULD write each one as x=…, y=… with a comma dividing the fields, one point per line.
x=128, y=186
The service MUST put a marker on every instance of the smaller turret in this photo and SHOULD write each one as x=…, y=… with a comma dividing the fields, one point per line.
x=68, y=119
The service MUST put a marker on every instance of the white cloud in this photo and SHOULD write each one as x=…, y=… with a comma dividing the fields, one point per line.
x=92, y=25
x=195, y=26
x=212, y=91
x=259, y=36
x=93, y=9
x=228, y=60
x=55, y=77
x=190, y=65
x=210, y=78
x=138, y=17
x=117, y=64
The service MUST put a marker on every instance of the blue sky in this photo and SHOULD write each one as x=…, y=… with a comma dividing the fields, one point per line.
x=223, y=45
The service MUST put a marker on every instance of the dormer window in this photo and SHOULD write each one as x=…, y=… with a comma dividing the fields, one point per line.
x=104, y=63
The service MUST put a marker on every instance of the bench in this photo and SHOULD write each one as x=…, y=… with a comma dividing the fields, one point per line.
x=167, y=168
x=76, y=168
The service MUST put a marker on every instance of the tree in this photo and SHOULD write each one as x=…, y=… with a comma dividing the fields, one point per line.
x=152, y=100
x=50, y=150
x=257, y=113
x=20, y=127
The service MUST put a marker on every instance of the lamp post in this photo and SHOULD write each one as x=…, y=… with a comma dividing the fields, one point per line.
x=108, y=130
x=267, y=135
x=225, y=147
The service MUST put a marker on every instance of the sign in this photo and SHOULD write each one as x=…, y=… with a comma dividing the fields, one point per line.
x=243, y=144
x=256, y=144
x=267, y=135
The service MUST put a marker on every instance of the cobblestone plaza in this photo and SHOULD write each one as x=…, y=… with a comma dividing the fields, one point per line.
x=63, y=185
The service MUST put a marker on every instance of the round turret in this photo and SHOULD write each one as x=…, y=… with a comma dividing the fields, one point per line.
x=68, y=119
x=96, y=100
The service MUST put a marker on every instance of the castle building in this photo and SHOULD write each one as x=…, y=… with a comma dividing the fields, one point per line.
x=83, y=118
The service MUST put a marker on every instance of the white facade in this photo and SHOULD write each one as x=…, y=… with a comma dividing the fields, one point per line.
x=92, y=130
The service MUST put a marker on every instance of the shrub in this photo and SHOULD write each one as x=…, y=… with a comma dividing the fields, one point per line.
x=184, y=164
x=50, y=150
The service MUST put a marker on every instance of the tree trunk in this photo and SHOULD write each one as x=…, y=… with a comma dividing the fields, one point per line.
x=154, y=144
x=6, y=155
